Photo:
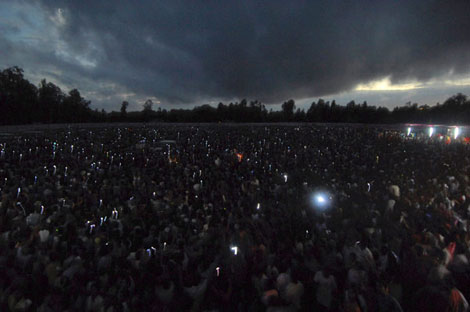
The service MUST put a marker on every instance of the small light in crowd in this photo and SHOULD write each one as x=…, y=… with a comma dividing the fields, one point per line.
x=431, y=131
x=218, y=271
x=19, y=204
x=409, y=131
x=456, y=132
x=285, y=178
x=164, y=245
x=258, y=206
x=235, y=250
x=42, y=209
x=18, y=193
x=320, y=201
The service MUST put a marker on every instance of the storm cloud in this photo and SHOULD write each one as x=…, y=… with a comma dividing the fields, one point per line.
x=189, y=51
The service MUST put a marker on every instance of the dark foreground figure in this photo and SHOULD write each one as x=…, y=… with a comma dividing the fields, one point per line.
x=233, y=219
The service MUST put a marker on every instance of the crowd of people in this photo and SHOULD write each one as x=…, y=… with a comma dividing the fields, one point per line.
x=233, y=218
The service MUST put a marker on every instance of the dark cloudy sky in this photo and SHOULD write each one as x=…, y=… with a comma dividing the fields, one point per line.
x=182, y=53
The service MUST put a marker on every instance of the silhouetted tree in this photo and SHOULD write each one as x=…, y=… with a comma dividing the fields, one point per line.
x=147, y=111
x=124, y=106
x=50, y=99
x=299, y=115
x=75, y=104
x=18, y=97
x=148, y=106
x=288, y=110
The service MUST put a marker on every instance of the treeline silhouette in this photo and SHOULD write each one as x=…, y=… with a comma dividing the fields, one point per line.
x=21, y=102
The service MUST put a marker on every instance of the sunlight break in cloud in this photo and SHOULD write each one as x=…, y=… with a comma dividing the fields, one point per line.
x=459, y=82
x=386, y=85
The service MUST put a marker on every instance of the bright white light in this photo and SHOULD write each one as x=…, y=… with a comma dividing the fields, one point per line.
x=456, y=132
x=320, y=199
x=431, y=131
x=235, y=250
x=258, y=206
x=285, y=178
x=409, y=131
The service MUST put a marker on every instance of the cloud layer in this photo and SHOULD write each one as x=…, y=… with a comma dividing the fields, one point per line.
x=193, y=51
